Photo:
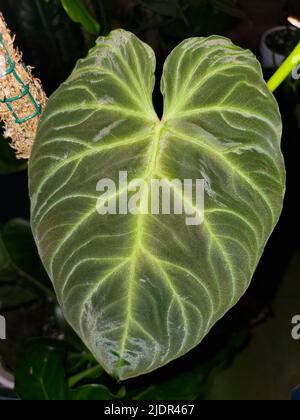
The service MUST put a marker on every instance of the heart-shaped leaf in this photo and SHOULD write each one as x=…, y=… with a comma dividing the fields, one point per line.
x=143, y=289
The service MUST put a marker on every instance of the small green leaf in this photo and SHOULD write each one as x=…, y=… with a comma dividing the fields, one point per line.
x=92, y=393
x=15, y=290
x=93, y=372
x=40, y=373
x=21, y=247
x=22, y=275
x=79, y=13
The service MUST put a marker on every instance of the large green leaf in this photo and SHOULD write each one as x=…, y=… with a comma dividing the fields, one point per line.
x=142, y=290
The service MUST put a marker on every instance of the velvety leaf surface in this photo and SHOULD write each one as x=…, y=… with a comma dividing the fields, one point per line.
x=141, y=290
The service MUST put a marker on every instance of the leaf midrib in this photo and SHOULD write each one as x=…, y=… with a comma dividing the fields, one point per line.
x=151, y=170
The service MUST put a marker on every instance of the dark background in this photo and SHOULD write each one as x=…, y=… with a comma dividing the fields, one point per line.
x=263, y=362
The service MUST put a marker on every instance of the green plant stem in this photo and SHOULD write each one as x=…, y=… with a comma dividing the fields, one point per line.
x=74, y=380
x=285, y=69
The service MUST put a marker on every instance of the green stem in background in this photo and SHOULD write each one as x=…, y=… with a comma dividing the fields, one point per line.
x=285, y=69
x=94, y=371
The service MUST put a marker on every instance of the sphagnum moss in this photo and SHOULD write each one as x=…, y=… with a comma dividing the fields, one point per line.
x=20, y=116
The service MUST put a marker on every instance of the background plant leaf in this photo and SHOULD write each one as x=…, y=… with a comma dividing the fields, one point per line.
x=79, y=13
x=194, y=382
x=50, y=41
x=40, y=373
x=163, y=7
x=8, y=161
x=92, y=393
x=22, y=276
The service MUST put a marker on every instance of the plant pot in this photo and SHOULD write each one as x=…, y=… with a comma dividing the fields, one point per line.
x=276, y=44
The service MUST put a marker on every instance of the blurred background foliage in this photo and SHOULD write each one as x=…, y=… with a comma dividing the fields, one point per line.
x=250, y=353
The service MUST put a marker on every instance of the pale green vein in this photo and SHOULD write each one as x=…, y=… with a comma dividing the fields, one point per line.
x=83, y=87
x=192, y=275
x=181, y=60
x=64, y=285
x=210, y=231
x=76, y=226
x=151, y=338
x=184, y=99
x=72, y=108
x=172, y=233
x=51, y=229
x=96, y=287
x=244, y=112
x=215, y=51
x=106, y=147
x=240, y=217
x=62, y=200
x=121, y=83
x=266, y=139
x=61, y=141
x=247, y=252
x=140, y=87
x=150, y=171
x=45, y=203
x=90, y=241
x=106, y=277
x=177, y=297
x=188, y=78
x=142, y=81
x=215, y=152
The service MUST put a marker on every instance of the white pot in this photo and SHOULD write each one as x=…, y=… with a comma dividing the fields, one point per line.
x=270, y=59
